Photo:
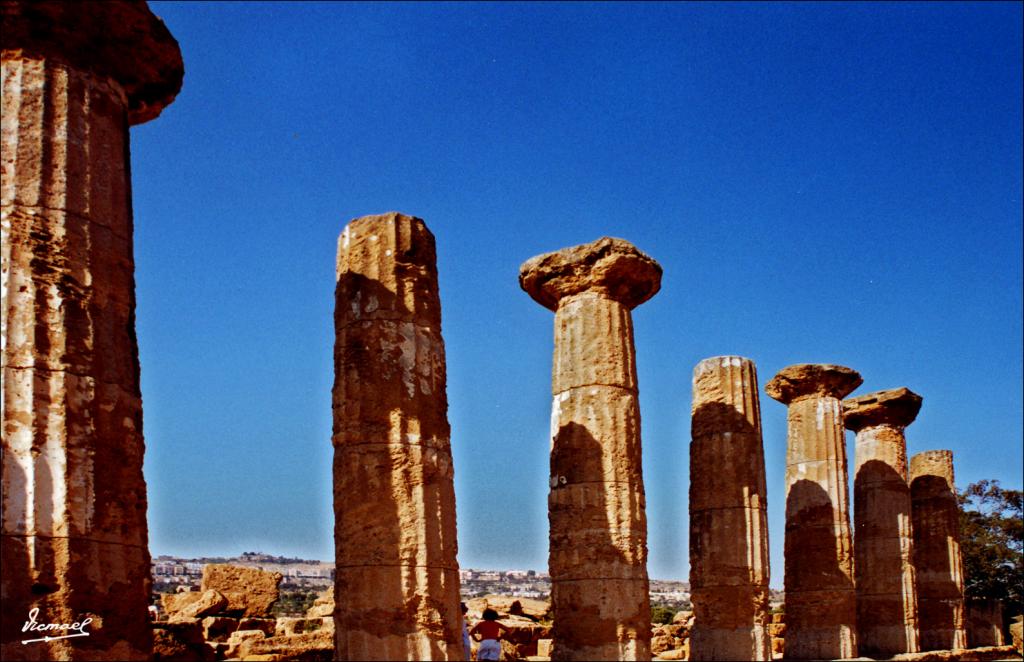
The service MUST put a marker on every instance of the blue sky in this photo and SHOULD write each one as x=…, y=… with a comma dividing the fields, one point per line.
x=821, y=183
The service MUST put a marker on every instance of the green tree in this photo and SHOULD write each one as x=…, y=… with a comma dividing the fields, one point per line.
x=662, y=615
x=992, y=542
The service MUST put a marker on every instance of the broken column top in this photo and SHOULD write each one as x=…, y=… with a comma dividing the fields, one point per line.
x=898, y=406
x=121, y=40
x=408, y=236
x=798, y=381
x=932, y=463
x=610, y=266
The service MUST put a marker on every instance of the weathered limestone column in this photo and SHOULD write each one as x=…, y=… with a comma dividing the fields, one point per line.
x=729, y=568
x=936, y=526
x=396, y=578
x=886, y=586
x=821, y=605
x=598, y=552
x=74, y=537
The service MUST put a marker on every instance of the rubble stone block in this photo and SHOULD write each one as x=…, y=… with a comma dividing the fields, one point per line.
x=249, y=592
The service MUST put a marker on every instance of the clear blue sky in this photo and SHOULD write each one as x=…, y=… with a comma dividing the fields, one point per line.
x=821, y=183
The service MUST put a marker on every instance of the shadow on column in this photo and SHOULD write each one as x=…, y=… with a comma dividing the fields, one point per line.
x=882, y=499
x=935, y=521
x=819, y=596
x=379, y=591
x=592, y=579
x=17, y=590
x=728, y=556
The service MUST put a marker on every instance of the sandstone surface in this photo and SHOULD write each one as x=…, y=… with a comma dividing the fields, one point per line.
x=936, y=553
x=219, y=628
x=397, y=576
x=984, y=622
x=74, y=539
x=729, y=566
x=209, y=602
x=323, y=606
x=669, y=637
x=306, y=647
x=537, y=610
x=596, y=506
x=175, y=603
x=821, y=604
x=180, y=642
x=885, y=579
x=611, y=267
x=249, y=591
x=982, y=654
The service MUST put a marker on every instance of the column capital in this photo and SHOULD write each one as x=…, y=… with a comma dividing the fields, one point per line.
x=805, y=379
x=898, y=407
x=121, y=40
x=613, y=267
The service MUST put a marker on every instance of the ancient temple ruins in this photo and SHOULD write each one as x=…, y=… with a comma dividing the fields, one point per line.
x=397, y=579
x=936, y=531
x=886, y=595
x=598, y=552
x=75, y=77
x=729, y=567
x=821, y=604
x=74, y=537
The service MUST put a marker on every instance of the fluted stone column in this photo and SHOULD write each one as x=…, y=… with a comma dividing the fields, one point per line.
x=729, y=568
x=598, y=552
x=397, y=580
x=821, y=605
x=75, y=75
x=937, y=561
x=886, y=586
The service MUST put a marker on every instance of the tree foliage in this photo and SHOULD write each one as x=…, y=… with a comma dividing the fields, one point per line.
x=293, y=603
x=992, y=541
x=662, y=615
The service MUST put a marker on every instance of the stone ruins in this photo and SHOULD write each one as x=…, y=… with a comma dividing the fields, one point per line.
x=728, y=514
x=821, y=604
x=598, y=545
x=886, y=598
x=74, y=538
x=397, y=579
x=935, y=521
x=230, y=617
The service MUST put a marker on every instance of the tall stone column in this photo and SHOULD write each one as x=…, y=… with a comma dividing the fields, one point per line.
x=886, y=585
x=598, y=552
x=936, y=525
x=396, y=576
x=729, y=568
x=821, y=605
x=75, y=76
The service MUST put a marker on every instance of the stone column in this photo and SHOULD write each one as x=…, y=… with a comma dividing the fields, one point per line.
x=886, y=586
x=821, y=605
x=936, y=526
x=729, y=568
x=396, y=578
x=75, y=76
x=598, y=552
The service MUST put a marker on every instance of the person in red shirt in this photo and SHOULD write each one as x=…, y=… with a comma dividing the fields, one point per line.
x=489, y=630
